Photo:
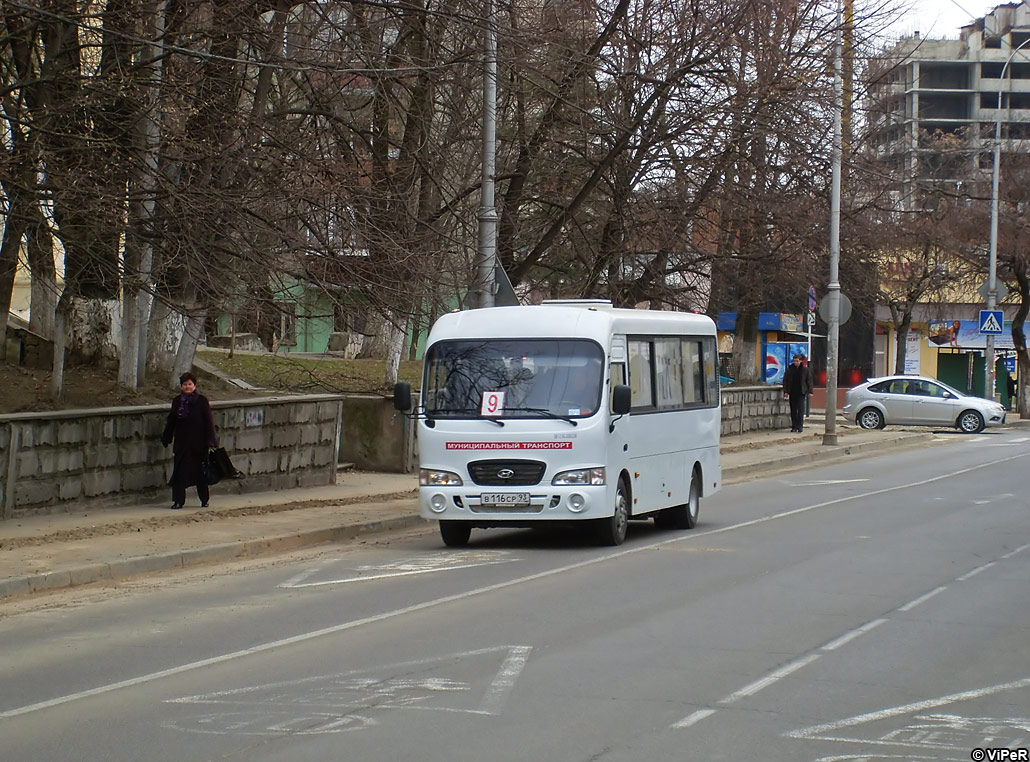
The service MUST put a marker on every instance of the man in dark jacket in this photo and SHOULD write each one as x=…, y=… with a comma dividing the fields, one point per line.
x=797, y=385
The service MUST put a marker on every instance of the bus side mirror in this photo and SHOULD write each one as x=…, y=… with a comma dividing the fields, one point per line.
x=402, y=396
x=621, y=399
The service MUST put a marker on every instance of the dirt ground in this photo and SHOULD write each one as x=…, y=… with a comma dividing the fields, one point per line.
x=27, y=390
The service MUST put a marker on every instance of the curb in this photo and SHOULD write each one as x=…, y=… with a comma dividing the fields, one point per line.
x=183, y=559
x=16, y=587
x=738, y=474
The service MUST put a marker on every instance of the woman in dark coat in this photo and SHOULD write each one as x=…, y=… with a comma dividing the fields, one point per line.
x=191, y=426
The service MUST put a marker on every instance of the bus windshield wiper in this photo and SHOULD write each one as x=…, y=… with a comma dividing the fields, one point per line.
x=448, y=412
x=545, y=412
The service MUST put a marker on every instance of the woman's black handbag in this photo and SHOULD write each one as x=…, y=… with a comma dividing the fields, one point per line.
x=210, y=471
x=217, y=466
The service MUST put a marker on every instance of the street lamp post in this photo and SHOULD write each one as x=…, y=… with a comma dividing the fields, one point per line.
x=992, y=270
x=486, y=259
x=833, y=288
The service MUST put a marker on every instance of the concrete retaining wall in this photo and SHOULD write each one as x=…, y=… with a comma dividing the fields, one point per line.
x=376, y=436
x=49, y=461
x=28, y=349
x=753, y=408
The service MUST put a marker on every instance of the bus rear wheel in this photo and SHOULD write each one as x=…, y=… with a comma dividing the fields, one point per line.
x=682, y=516
x=612, y=530
x=455, y=534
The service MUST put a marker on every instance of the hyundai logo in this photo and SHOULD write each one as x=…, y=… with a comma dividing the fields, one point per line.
x=505, y=473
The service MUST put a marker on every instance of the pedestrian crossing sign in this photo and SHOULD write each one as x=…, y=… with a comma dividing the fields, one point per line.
x=991, y=322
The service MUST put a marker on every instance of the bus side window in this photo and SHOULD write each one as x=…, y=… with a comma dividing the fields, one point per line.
x=641, y=373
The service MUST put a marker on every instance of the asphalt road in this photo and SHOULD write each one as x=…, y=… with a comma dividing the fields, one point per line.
x=870, y=610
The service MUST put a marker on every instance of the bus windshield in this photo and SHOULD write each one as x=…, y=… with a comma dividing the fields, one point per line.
x=513, y=378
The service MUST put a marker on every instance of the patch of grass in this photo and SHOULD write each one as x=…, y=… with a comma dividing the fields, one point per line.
x=309, y=374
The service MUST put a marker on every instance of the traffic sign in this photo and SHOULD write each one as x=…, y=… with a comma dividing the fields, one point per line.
x=810, y=319
x=845, y=309
x=999, y=287
x=991, y=322
x=811, y=298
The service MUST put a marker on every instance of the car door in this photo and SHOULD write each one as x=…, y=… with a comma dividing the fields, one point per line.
x=933, y=405
x=896, y=401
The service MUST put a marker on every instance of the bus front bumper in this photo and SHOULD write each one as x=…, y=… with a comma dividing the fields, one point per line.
x=516, y=505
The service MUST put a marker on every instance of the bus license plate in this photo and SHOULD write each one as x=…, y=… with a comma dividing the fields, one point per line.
x=504, y=498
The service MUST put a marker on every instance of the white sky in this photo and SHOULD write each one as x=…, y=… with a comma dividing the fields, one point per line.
x=942, y=18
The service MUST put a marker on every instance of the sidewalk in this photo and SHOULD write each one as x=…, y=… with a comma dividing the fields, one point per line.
x=51, y=552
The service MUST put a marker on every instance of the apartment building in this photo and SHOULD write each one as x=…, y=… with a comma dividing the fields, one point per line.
x=925, y=90
x=933, y=106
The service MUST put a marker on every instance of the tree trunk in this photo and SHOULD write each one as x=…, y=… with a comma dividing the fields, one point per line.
x=61, y=321
x=1019, y=341
x=158, y=358
x=188, y=345
x=745, y=348
x=416, y=328
x=14, y=232
x=902, y=341
x=128, y=366
x=44, y=294
x=1022, y=386
x=149, y=137
x=398, y=330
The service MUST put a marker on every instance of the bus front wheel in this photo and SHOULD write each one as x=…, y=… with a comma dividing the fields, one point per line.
x=455, y=534
x=612, y=530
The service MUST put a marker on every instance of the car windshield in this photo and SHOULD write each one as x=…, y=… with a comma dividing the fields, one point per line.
x=513, y=378
x=951, y=389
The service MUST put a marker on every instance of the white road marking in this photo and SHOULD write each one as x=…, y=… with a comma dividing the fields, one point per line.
x=833, y=645
x=847, y=637
x=884, y=758
x=975, y=571
x=406, y=568
x=436, y=602
x=693, y=719
x=827, y=482
x=336, y=703
x=1016, y=551
x=505, y=680
x=772, y=677
x=390, y=575
x=816, y=732
x=294, y=581
x=922, y=598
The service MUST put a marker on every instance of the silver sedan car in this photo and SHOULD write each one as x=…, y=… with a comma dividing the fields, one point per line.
x=919, y=401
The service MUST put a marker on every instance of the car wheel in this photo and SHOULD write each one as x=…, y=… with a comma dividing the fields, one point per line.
x=971, y=422
x=871, y=418
x=455, y=534
x=682, y=516
x=612, y=530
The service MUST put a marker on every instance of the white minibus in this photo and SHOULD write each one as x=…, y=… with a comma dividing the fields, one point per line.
x=569, y=411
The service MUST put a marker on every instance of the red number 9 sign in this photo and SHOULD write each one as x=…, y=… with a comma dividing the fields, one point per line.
x=493, y=404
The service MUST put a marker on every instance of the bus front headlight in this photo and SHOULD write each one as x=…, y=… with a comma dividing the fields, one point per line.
x=579, y=476
x=430, y=477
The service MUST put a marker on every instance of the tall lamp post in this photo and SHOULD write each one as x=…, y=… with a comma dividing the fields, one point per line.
x=833, y=288
x=486, y=258
x=992, y=271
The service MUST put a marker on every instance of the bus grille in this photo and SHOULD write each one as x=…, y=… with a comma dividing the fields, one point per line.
x=524, y=472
